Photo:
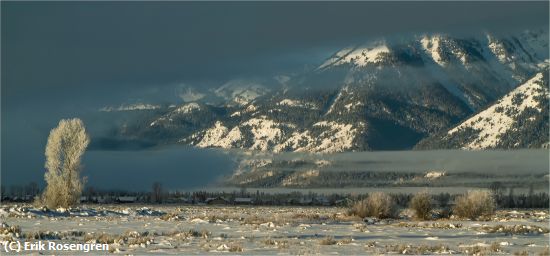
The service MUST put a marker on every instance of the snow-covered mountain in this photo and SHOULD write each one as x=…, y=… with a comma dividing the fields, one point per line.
x=241, y=91
x=383, y=95
x=130, y=107
x=517, y=120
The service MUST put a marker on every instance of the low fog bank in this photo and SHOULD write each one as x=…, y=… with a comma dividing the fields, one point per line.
x=135, y=170
x=173, y=167
x=488, y=161
x=188, y=168
x=512, y=161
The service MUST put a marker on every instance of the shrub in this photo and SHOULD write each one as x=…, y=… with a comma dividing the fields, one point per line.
x=348, y=240
x=235, y=248
x=377, y=204
x=329, y=240
x=421, y=204
x=545, y=252
x=516, y=229
x=475, y=204
x=102, y=238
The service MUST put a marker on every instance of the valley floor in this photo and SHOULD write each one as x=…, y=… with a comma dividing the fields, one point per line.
x=161, y=229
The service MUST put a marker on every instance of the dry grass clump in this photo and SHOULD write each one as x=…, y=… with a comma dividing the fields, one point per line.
x=101, y=238
x=440, y=225
x=371, y=244
x=475, y=250
x=6, y=229
x=141, y=241
x=309, y=216
x=495, y=247
x=134, y=238
x=254, y=219
x=416, y=249
x=360, y=227
x=328, y=240
x=422, y=206
x=195, y=233
x=546, y=252
x=52, y=235
x=167, y=233
x=516, y=229
x=170, y=216
x=337, y=217
x=257, y=220
x=235, y=248
x=216, y=218
x=377, y=204
x=75, y=233
x=475, y=204
x=129, y=237
x=270, y=241
x=348, y=240
x=281, y=244
x=492, y=249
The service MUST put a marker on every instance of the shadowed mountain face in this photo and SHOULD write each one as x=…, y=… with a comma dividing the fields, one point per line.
x=383, y=95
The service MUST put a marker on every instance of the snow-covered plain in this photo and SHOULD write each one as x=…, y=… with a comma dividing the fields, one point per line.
x=185, y=229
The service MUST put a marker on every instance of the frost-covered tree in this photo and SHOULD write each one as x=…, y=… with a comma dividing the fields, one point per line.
x=66, y=144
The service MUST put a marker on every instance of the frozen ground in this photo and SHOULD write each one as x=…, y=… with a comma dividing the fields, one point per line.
x=132, y=229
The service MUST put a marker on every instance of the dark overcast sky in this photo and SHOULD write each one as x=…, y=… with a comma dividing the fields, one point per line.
x=95, y=46
x=62, y=58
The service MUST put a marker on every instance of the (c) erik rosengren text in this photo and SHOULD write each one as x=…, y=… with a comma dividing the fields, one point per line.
x=18, y=246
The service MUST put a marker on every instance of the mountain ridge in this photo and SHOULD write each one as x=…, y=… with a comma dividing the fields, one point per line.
x=382, y=96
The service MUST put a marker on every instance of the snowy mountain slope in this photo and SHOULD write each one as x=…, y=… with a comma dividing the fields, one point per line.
x=359, y=56
x=382, y=95
x=241, y=91
x=477, y=70
x=267, y=135
x=130, y=107
x=519, y=119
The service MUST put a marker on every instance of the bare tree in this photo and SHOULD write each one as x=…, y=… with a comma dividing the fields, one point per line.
x=157, y=192
x=66, y=144
x=31, y=189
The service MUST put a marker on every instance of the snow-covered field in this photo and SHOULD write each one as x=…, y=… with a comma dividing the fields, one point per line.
x=152, y=229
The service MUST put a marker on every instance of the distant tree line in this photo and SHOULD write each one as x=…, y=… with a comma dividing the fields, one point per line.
x=504, y=197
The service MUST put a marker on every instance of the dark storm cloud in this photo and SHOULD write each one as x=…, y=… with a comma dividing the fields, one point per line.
x=91, y=47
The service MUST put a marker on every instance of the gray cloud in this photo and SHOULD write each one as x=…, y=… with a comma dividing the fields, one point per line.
x=60, y=49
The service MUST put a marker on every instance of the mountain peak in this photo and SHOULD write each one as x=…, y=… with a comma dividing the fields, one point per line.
x=359, y=56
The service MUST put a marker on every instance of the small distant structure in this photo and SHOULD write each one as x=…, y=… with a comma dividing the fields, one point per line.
x=306, y=201
x=126, y=199
x=343, y=202
x=216, y=200
x=434, y=174
x=321, y=200
x=101, y=199
x=180, y=199
x=243, y=200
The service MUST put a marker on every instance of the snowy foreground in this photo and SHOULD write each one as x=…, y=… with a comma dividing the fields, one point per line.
x=270, y=230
